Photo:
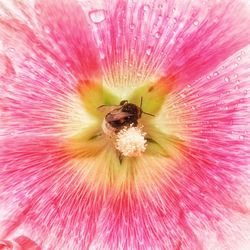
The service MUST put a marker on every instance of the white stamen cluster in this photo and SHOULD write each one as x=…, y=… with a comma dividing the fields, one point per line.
x=130, y=141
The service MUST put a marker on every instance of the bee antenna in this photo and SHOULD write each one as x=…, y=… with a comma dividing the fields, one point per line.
x=141, y=102
x=147, y=113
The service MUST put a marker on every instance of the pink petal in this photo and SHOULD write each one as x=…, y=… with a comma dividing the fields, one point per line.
x=26, y=243
x=59, y=202
x=182, y=40
x=20, y=243
x=6, y=245
x=223, y=31
x=51, y=44
x=178, y=203
x=65, y=25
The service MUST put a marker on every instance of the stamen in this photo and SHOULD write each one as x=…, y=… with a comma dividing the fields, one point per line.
x=130, y=141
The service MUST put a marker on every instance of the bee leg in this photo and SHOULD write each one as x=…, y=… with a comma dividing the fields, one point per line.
x=150, y=140
x=120, y=158
x=95, y=136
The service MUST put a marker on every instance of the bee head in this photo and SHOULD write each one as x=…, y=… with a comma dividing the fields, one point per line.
x=123, y=102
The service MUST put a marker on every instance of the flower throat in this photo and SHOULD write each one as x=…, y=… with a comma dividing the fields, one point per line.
x=121, y=124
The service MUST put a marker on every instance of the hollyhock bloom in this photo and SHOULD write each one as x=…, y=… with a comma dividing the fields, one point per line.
x=81, y=168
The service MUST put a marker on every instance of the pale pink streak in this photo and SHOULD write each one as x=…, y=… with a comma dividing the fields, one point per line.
x=202, y=49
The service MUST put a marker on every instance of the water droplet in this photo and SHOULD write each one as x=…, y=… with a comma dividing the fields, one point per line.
x=196, y=23
x=148, y=51
x=241, y=137
x=157, y=35
x=102, y=55
x=237, y=87
x=38, y=11
x=97, y=16
x=47, y=30
x=131, y=26
x=181, y=26
x=146, y=7
x=226, y=79
x=216, y=73
x=208, y=77
x=216, y=20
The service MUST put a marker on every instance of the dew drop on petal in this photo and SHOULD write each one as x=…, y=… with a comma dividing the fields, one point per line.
x=237, y=87
x=157, y=35
x=196, y=23
x=97, y=16
x=216, y=19
x=131, y=26
x=148, y=51
x=241, y=137
x=226, y=79
x=47, y=29
x=102, y=55
x=38, y=11
x=146, y=7
x=243, y=52
x=235, y=75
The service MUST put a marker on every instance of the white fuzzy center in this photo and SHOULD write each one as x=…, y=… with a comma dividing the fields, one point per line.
x=131, y=141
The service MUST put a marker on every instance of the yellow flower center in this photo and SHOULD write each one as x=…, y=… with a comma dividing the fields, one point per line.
x=118, y=136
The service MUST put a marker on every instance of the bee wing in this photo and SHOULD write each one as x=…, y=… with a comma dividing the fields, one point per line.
x=108, y=108
x=116, y=115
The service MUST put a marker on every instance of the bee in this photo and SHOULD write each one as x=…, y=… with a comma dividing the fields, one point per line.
x=123, y=115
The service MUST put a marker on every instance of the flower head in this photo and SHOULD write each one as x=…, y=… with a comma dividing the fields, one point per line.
x=125, y=124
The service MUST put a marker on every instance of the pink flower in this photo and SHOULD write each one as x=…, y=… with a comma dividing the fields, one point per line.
x=76, y=173
x=20, y=243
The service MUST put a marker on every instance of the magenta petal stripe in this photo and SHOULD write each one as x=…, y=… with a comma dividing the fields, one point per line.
x=124, y=125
